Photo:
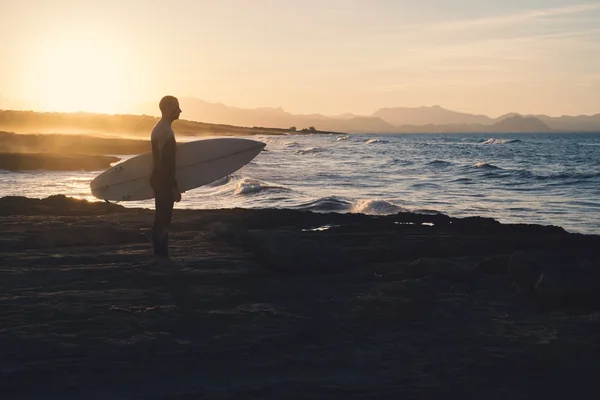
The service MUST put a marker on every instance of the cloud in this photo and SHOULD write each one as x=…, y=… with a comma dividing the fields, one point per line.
x=490, y=60
x=514, y=18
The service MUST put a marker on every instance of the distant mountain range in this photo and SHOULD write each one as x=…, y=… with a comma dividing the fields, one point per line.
x=384, y=120
x=435, y=115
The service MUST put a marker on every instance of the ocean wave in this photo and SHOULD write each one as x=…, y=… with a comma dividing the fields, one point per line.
x=342, y=138
x=501, y=141
x=376, y=207
x=331, y=203
x=253, y=186
x=422, y=185
x=439, y=163
x=264, y=139
x=527, y=175
x=485, y=166
x=401, y=161
x=291, y=144
x=426, y=211
x=220, y=182
x=373, y=141
x=565, y=176
x=310, y=150
x=463, y=180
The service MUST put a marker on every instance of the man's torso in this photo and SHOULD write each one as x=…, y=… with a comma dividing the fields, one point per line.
x=163, y=156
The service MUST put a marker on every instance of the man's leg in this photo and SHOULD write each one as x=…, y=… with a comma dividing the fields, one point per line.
x=168, y=212
x=163, y=202
x=157, y=225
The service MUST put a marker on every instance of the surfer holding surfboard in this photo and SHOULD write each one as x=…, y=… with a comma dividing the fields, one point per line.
x=170, y=169
x=163, y=180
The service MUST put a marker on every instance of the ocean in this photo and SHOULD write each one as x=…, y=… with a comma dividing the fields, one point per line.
x=547, y=179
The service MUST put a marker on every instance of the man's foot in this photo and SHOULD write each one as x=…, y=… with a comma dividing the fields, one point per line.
x=147, y=234
x=163, y=265
x=164, y=261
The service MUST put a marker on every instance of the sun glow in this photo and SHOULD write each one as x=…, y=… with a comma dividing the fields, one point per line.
x=82, y=72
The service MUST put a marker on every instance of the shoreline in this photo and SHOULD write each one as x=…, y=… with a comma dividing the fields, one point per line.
x=420, y=217
x=68, y=144
x=64, y=205
x=278, y=303
x=16, y=162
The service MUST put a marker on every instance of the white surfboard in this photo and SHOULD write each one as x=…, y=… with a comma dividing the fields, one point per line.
x=197, y=163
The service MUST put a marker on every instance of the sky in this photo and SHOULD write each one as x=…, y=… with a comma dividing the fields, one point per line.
x=307, y=56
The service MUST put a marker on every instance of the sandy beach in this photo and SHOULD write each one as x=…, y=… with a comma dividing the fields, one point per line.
x=290, y=304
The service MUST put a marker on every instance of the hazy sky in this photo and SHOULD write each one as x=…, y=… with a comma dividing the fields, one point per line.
x=326, y=56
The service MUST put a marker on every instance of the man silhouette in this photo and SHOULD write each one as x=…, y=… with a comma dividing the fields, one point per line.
x=162, y=180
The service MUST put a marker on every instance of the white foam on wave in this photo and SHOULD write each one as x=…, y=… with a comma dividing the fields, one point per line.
x=310, y=150
x=264, y=139
x=376, y=207
x=248, y=186
x=220, y=182
x=252, y=186
x=342, y=138
x=322, y=228
x=373, y=141
x=500, y=141
x=485, y=165
x=291, y=144
x=588, y=144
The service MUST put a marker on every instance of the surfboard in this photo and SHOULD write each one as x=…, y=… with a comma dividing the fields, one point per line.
x=198, y=163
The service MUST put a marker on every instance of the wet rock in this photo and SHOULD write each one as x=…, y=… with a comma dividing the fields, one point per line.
x=475, y=224
x=442, y=268
x=524, y=271
x=557, y=279
x=83, y=236
x=495, y=265
x=300, y=256
x=284, y=252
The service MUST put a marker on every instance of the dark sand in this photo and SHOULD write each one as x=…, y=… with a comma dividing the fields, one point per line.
x=374, y=307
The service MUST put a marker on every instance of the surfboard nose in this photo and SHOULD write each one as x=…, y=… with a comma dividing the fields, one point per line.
x=256, y=142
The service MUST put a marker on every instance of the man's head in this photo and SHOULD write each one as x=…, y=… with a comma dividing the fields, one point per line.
x=169, y=107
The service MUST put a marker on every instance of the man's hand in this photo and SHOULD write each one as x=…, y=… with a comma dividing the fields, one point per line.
x=176, y=195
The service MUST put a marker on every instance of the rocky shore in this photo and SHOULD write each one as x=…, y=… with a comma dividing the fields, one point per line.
x=276, y=304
